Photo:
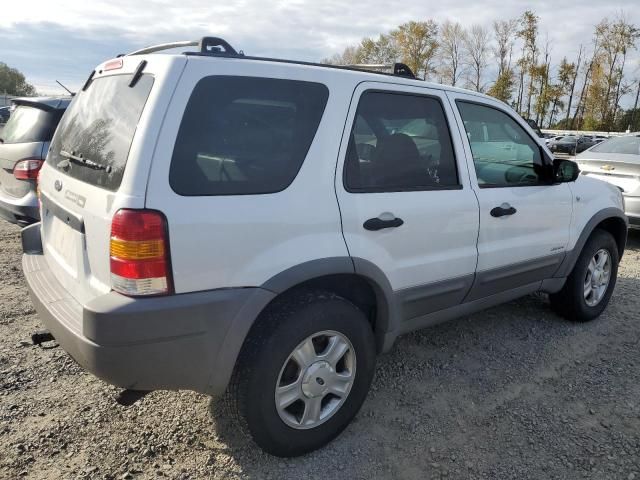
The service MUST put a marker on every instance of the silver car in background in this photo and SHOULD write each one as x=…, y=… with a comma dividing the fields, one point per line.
x=24, y=143
x=617, y=161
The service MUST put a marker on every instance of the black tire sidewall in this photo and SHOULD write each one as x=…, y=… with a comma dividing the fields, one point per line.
x=581, y=311
x=296, y=323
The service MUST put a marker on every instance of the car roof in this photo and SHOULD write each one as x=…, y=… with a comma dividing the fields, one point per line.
x=46, y=103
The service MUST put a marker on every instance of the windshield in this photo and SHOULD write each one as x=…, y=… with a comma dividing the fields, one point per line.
x=29, y=124
x=93, y=140
x=627, y=145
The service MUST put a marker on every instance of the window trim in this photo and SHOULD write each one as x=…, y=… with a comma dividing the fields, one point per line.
x=253, y=77
x=426, y=188
x=543, y=183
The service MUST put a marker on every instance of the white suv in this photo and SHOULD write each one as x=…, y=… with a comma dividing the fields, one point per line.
x=218, y=222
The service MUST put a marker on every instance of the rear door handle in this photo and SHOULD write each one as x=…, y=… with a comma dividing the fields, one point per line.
x=503, y=210
x=379, y=224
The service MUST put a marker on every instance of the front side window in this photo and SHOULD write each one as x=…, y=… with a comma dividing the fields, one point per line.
x=399, y=142
x=245, y=135
x=504, y=155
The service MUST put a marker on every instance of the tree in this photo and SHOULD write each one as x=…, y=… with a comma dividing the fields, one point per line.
x=504, y=32
x=13, y=82
x=568, y=75
x=503, y=88
x=476, y=42
x=417, y=45
x=529, y=34
x=384, y=50
x=451, y=52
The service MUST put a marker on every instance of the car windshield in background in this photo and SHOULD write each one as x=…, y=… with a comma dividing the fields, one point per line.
x=30, y=124
x=568, y=139
x=627, y=145
x=94, y=137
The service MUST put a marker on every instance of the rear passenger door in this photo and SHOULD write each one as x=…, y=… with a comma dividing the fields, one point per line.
x=524, y=218
x=406, y=203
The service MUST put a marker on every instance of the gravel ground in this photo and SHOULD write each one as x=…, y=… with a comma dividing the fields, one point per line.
x=512, y=392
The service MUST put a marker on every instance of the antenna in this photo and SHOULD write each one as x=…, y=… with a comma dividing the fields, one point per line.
x=70, y=92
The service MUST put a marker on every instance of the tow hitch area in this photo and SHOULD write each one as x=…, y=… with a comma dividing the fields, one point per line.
x=42, y=336
x=126, y=398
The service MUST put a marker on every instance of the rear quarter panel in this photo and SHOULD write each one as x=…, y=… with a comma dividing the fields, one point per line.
x=244, y=240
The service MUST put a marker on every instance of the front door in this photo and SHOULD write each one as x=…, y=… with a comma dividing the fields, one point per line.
x=524, y=220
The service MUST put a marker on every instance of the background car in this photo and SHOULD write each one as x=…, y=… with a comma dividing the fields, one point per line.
x=24, y=143
x=571, y=144
x=617, y=161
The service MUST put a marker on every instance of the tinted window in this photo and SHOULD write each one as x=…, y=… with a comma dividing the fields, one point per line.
x=29, y=124
x=503, y=153
x=629, y=145
x=399, y=142
x=244, y=135
x=98, y=127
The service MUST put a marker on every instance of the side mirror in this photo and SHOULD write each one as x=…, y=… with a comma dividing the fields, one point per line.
x=565, y=170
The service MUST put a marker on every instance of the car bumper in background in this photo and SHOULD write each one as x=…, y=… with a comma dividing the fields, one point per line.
x=187, y=341
x=22, y=211
x=632, y=210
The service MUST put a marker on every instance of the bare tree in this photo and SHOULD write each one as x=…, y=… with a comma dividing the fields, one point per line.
x=570, y=70
x=504, y=32
x=477, y=41
x=451, y=52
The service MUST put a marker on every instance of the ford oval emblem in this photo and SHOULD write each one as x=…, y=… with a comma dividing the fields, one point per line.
x=58, y=185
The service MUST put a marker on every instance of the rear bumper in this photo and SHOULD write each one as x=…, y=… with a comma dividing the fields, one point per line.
x=632, y=210
x=187, y=341
x=23, y=210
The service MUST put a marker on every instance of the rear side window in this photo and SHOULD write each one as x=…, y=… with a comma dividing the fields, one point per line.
x=245, y=135
x=30, y=124
x=399, y=142
x=94, y=137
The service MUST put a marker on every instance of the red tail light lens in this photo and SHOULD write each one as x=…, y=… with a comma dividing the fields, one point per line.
x=27, y=169
x=139, y=253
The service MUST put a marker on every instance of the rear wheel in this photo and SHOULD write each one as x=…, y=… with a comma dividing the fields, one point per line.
x=303, y=373
x=590, y=285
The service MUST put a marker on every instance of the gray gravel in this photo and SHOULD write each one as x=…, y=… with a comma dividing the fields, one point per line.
x=512, y=392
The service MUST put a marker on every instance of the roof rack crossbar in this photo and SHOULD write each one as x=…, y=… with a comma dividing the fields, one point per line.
x=399, y=69
x=164, y=46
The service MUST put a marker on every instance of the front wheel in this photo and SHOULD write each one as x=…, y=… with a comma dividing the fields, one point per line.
x=303, y=373
x=590, y=285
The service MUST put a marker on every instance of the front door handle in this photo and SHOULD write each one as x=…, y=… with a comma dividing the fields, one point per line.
x=379, y=224
x=503, y=210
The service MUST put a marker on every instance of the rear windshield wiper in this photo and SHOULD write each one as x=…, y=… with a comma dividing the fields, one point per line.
x=80, y=160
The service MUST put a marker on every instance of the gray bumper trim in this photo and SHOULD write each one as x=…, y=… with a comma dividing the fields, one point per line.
x=188, y=341
x=20, y=214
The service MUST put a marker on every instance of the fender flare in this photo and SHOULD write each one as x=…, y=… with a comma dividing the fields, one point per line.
x=572, y=257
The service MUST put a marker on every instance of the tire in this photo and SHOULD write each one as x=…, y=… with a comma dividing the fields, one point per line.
x=266, y=358
x=571, y=302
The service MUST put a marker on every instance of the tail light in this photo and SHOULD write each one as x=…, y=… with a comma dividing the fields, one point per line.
x=27, y=169
x=139, y=253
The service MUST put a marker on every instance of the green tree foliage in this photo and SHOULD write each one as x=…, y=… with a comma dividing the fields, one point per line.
x=12, y=82
x=502, y=89
x=417, y=44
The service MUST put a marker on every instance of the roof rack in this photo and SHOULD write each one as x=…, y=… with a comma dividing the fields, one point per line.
x=399, y=69
x=218, y=47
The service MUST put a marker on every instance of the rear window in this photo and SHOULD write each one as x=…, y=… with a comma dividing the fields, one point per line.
x=30, y=124
x=94, y=137
x=627, y=145
x=245, y=135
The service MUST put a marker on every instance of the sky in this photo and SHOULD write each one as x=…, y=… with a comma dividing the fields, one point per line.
x=64, y=40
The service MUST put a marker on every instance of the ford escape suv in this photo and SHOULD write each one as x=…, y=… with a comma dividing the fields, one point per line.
x=24, y=142
x=264, y=228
